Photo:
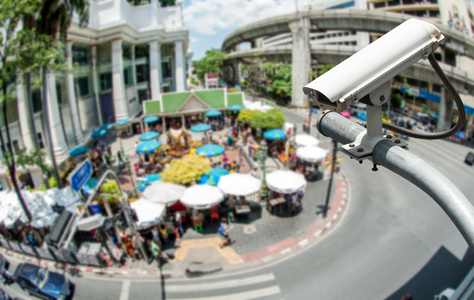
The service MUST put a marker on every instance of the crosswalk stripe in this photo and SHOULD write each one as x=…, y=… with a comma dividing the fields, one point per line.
x=125, y=290
x=220, y=284
x=265, y=292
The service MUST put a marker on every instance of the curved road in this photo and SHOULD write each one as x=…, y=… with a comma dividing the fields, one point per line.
x=392, y=239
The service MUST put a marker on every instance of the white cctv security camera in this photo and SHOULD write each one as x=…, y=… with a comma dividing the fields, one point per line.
x=368, y=72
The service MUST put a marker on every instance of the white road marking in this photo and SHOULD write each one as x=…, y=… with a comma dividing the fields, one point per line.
x=125, y=290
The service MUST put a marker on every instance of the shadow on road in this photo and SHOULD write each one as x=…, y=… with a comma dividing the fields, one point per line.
x=443, y=270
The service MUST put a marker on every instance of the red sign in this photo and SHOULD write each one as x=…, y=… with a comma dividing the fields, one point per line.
x=211, y=75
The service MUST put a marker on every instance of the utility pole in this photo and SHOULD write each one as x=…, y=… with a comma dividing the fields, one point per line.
x=334, y=152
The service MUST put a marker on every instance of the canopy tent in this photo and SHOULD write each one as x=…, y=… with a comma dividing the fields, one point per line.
x=151, y=119
x=201, y=127
x=148, y=213
x=306, y=140
x=239, y=184
x=213, y=113
x=274, y=134
x=148, y=146
x=202, y=196
x=285, y=181
x=210, y=150
x=164, y=192
x=148, y=136
x=311, y=154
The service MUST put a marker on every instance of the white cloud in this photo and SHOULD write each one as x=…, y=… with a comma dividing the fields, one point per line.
x=209, y=16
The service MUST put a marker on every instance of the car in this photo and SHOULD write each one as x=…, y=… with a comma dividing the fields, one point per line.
x=4, y=296
x=41, y=282
x=469, y=158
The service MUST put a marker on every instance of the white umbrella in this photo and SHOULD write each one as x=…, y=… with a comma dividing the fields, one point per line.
x=306, y=140
x=202, y=196
x=311, y=154
x=239, y=184
x=164, y=192
x=286, y=182
x=148, y=213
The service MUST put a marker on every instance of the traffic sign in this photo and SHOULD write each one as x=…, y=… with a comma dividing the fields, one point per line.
x=80, y=175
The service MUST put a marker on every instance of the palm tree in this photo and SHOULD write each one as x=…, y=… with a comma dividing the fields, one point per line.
x=53, y=18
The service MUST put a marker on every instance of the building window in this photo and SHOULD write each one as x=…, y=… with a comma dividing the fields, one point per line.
x=434, y=13
x=143, y=73
x=82, y=86
x=379, y=5
x=142, y=51
x=105, y=81
x=39, y=137
x=126, y=50
x=127, y=76
x=36, y=99
x=436, y=88
x=407, y=2
x=80, y=54
x=166, y=69
x=393, y=3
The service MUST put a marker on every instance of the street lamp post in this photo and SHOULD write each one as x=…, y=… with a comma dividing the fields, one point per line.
x=259, y=132
x=127, y=163
x=263, y=153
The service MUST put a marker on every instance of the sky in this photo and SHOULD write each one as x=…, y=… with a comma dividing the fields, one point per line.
x=209, y=21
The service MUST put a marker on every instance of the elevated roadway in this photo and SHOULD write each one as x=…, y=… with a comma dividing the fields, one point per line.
x=353, y=20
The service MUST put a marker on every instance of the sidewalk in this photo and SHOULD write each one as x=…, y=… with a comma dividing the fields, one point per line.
x=259, y=238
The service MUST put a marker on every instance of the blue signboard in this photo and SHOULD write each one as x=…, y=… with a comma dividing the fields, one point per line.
x=80, y=175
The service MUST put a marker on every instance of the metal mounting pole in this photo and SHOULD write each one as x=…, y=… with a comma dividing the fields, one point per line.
x=397, y=159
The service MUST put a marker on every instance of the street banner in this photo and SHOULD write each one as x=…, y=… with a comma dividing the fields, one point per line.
x=328, y=166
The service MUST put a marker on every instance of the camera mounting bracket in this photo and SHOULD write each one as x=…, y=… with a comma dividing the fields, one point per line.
x=362, y=147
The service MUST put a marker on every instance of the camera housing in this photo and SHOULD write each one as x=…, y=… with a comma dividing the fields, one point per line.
x=371, y=69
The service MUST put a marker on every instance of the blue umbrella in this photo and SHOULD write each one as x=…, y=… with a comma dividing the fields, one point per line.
x=149, y=179
x=274, y=134
x=201, y=127
x=212, y=178
x=90, y=184
x=210, y=150
x=106, y=127
x=99, y=133
x=213, y=113
x=78, y=151
x=148, y=146
x=151, y=119
x=236, y=107
x=122, y=122
x=148, y=136
x=460, y=135
x=362, y=115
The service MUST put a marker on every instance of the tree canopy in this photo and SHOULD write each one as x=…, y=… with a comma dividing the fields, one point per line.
x=211, y=63
x=271, y=119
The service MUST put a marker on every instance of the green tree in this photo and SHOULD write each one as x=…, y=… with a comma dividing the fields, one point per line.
x=325, y=68
x=270, y=119
x=210, y=63
x=36, y=157
x=11, y=14
x=52, y=20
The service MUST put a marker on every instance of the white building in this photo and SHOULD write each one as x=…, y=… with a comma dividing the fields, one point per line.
x=125, y=55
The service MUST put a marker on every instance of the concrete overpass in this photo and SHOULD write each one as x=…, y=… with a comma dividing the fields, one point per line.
x=300, y=52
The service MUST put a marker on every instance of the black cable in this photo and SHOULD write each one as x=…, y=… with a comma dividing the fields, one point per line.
x=457, y=100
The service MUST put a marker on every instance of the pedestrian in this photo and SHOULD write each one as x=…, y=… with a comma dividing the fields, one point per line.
x=163, y=232
x=156, y=252
x=230, y=142
x=224, y=231
x=120, y=160
x=179, y=221
x=294, y=203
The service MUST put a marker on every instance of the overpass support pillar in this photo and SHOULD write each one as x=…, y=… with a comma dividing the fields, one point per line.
x=445, y=111
x=301, y=60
